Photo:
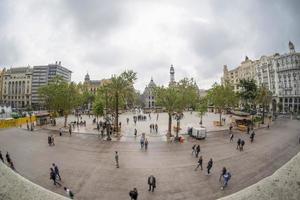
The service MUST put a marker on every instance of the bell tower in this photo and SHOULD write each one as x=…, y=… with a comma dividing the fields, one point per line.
x=172, y=75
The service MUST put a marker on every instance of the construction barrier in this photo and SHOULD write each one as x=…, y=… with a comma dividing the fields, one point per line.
x=16, y=122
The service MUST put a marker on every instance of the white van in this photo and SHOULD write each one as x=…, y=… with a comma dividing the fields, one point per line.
x=198, y=132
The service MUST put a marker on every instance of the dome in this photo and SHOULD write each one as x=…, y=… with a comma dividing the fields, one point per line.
x=87, y=77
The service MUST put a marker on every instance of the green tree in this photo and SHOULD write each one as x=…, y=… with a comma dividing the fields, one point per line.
x=175, y=98
x=202, y=107
x=263, y=98
x=222, y=97
x=117, y=92
x=60, y=96
x=248, y=92
x=98, y=108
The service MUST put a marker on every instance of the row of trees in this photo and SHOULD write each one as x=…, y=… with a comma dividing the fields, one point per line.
x=118, y=93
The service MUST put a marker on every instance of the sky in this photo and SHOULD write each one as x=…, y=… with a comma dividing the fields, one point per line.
x=105, y=37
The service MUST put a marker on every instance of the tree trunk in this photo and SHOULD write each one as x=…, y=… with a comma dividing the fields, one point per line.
x=170, y=125
x=117, y=113
x=263, y=115
x=220, y=117
x=200, y=119
x=66, y=119
x=177, y=129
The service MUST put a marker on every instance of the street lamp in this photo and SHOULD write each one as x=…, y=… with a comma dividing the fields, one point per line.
x=178, y=117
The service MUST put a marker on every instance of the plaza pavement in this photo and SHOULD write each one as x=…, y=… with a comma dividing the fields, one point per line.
x=87, y=163
x=127, y=131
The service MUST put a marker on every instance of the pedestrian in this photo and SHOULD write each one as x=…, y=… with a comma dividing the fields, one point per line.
x=230, y=128
x=49, y=140
x=135, y=132
x=133, y=194
x=157, y=116
x=146, y=144
x=11, y=164
x=226, y=178
x=252, y=136
x=70, y=129
x=52, y=140
x=238, y=143
x=1, y=157
x=151, y=183
x=7, y=158
x=199, y=163
x=223, y=172
x=142, y=142
x=56, y=170
x=53, y=177
x=117, y=159
x=248, y=129
x=242, y=145
x=69, y=192
x=27, y=125
x=209, y=166
x=194, y=149
x=231, y=137
x=127, y=120
x=60, y=132
x=150, y=126
x=156, y=128
x=197, y=151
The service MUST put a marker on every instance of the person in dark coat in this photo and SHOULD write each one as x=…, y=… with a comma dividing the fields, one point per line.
x=7, y=157
x=242, y=145
x=193, y=149
x=151, y=183
x=133, y=194
x=252, y=136
x=223, y=172
x=200, y=161
x=197, y=150
x=53, y=177
x=1, y=157
x=209, y=166
x=238, y=143
x=49, y=140
x=56, y=170
x=231, y=137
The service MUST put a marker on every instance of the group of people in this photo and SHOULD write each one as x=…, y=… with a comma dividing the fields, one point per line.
x=144, y=142
x=56, y=178
x=31, y=126
x=240, y=144
x=8, y=160
x=151, y=183
x=224, y=177
x=51, y=140
x=196, y=150
x=153, y=128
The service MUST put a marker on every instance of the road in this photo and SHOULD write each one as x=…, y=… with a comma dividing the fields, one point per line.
x=87, y=164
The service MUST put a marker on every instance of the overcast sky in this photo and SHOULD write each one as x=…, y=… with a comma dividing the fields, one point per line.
x=107, y=37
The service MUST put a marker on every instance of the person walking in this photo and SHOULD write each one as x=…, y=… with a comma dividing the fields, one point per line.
x=238, y=143
x=56, y=170
x=156, y=128
x=8, y=160
x=194, y=149
x=209, y=166
x=200, y=161
x=53, y=177
x=226, y=178
x=1, y=157
x=135, y=132
x=69, y=193
x=52, y=140
x=151, y=183
x=70, y=130
x=223, y=172
x=49, y=140
x=242, y=145
x=142, y=142
x=231, y=137
x=133, y=194
x=146, y=144
x=60, y=132
x=252, y=136
x=197, y=151
x=248, y=129
x=117, y=159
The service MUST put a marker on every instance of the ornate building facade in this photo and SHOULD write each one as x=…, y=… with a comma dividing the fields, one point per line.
x=148, y=95
x=16, y=87
x=279, y=73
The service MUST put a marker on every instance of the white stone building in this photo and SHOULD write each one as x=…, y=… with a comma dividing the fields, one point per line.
x=148, y=96
x=279, y=73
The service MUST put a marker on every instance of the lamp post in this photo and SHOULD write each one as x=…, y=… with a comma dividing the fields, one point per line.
x=178, y=117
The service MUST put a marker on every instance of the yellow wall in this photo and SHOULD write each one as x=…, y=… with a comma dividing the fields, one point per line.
x=16, y=122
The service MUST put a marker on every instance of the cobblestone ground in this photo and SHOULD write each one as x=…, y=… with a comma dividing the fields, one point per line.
x=87, y=163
